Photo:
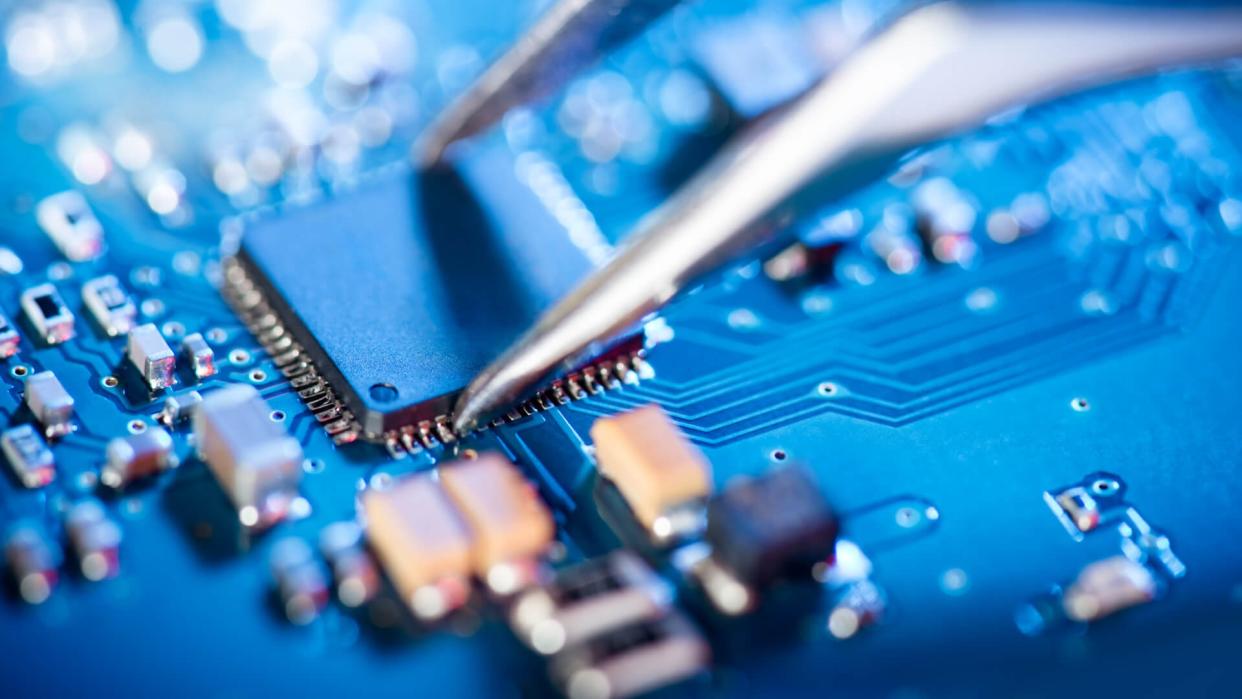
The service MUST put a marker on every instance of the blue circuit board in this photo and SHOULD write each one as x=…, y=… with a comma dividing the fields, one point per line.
x=1070, y=324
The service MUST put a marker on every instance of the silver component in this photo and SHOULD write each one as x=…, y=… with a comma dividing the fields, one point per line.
x=32, y=560
x=199, y=354
x=728, y=594
x=149, y=352
x=137, y=456
x=50, y=403
x=930, y=74
x=302, y=586
x=67, y=219
x=10, y=341
x=256, y=463
x=180, y=408
x=357, y=576
x=95, y=539
x=588, y=600
x=110, y=305
x=48, y=314
x=633, y=660
x=28, y=456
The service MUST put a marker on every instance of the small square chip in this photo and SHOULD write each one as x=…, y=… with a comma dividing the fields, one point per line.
x=382, y=303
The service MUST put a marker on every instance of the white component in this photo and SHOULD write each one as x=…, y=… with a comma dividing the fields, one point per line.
x=10, y=263
x=180, y=408
x=111, y=307
x=28, y=455
x=199, y=354
x=50, y=403
x=137, y=456
x=72, y=226
x=95, y=540
x=48, y=314
x=257, y=464
x=151, y=355
x=9, y=339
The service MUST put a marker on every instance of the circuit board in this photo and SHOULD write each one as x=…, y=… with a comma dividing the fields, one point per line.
x=975, y=434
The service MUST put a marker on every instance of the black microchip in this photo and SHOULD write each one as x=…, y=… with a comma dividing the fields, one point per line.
x=401, y=291
x=777, y=525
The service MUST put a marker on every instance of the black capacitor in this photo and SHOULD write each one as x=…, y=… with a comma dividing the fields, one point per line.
x=771, y=527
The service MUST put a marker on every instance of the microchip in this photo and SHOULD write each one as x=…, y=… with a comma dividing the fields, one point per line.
x=381, y=304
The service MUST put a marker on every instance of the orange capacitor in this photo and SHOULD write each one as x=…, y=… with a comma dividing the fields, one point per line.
x=418, y=536
x=508, y=520
x=653, y=465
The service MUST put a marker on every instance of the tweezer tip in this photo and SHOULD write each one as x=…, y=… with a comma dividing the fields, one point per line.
x=466, y=411
x=428, y=153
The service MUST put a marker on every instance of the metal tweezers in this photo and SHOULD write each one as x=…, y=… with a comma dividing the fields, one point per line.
x=936, y=71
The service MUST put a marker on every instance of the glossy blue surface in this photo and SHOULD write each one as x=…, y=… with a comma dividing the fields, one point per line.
x=953, y=387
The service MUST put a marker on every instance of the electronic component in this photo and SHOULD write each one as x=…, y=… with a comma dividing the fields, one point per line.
x=895, y=243
x=1143, y=543
x=802, y=261
x=662, y=476
x=137, y=456
x=813, y=258
x=1106, y=587
x=632, y=660
x=95, y=540
x=300, y=583
x=199, y=355
x=28, y=456
x=1084, y=506
x=150, y=354
x=109, y=304
x=858, y=605
x=771, y=526
x=510, y=524
x=33, y=561
x=1080, y=507
x=357, y=578
x=257, y=464
x=180, y=408
x=589, y=599
x=47, y=313
x=50, y=404
x=67, y=219
x=422, y=544
x=763, y=529
x=945, y=220
x=10, y=341
x=344, y=302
